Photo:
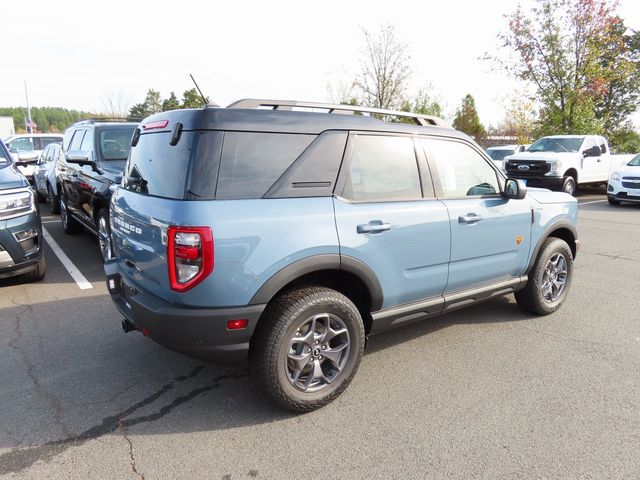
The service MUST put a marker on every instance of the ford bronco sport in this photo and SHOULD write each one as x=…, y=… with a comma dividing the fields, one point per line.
x=283, y=233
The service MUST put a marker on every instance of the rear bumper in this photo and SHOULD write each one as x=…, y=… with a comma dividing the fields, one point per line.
x=196, y=332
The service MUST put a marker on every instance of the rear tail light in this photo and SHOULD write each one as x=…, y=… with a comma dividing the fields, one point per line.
x=189, y=255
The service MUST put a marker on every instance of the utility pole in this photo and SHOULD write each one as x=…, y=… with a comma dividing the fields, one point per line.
x=29, y=123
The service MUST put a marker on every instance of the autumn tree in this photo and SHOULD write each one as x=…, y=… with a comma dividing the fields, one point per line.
x=579, y=59
x=467, y=120
x=385, y=71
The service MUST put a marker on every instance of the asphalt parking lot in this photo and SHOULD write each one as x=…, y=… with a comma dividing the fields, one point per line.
x=487, y=392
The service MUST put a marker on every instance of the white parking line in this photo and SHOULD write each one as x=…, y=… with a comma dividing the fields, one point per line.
x=82, y=282
x=587, y=203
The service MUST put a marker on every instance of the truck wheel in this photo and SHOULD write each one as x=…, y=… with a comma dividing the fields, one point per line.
x=307, y=348
x=569, y=186
x=37, y=273
x=613, y=201
x=54, y=201
x=69, y=224
x=549, y=280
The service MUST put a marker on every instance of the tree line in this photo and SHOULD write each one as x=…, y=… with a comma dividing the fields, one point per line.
x=48, y=119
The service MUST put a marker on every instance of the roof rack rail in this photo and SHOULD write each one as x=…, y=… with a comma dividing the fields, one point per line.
x=423, y=120
x=88, y=121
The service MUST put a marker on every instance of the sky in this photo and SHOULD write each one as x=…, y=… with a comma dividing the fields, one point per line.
x=79, y=55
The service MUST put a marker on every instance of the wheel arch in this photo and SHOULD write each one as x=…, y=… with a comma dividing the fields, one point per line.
x=572, y=172
x=563, y=230
x=347, y=275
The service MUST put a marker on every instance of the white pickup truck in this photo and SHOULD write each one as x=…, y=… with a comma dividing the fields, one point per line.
x=562, y=162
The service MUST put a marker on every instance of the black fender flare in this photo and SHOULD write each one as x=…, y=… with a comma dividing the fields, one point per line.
x=318, y=263
x=547, y=233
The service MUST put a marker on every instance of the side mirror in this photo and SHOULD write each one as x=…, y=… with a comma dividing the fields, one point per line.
x=81, y=158
x=592, y=152
x=515, y=189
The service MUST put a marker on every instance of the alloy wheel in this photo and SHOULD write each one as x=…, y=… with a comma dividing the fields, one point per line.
x=554, y=278
x=318, y=352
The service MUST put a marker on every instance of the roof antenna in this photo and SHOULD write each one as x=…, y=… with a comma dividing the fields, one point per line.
x=207, y=102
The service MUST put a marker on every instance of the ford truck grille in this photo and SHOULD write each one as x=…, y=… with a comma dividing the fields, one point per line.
x=527, y=168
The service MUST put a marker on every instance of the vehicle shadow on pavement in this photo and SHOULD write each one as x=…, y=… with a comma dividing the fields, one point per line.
x=71, y=376
x=497, y=310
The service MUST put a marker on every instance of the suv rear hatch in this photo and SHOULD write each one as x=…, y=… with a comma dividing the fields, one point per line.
x=143, y=208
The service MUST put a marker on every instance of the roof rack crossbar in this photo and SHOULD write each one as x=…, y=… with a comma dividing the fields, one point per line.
x=419, y=119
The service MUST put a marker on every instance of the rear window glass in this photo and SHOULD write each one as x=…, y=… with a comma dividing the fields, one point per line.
x=114, y=143
x=157, y=168
x=252, y=162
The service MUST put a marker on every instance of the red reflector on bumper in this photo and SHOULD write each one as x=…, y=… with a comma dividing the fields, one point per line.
x=236, y=324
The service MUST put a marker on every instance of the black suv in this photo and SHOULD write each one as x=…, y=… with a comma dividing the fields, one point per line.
x=95, y=155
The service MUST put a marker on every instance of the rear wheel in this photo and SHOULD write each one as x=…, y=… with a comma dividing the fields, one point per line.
x=613, y=201
x=549, y=280
x=69, y=224
x=37, y=273
x=54, y=201
x=41, y=198
x=569, y=186
x=104, y=235
x=307, y=348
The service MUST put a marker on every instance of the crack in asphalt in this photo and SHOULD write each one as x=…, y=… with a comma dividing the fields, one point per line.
x=134, y=469
x=614, y=257
x=19, y=459
x=48, y=396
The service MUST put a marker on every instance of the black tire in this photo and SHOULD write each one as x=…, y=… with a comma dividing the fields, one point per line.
x=41, y=198
x=569, y=186
x=275, y=342
x=54, y=200
x=37, y=273
x=613, y=201
x=104, y=235
x=532, y=298
x=69, y=224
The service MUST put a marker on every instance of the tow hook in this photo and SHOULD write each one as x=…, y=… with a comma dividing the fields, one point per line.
x=127, y=326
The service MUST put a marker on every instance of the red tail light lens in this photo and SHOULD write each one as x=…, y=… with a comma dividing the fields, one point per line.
x=189, y=255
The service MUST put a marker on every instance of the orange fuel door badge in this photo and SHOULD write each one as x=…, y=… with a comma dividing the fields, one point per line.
x=519, y=240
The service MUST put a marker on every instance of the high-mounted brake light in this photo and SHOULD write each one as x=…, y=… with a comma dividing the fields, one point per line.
x=156, y=124
x=189, y=255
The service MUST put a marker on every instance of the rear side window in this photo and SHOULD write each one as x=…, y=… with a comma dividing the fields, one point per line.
x=252, y=162
x=49, y=140
x=382, y=168
x=114, y=143
x=157, y=168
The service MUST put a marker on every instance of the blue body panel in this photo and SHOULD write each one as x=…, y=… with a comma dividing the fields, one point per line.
x=411, y=258
x=493, y=248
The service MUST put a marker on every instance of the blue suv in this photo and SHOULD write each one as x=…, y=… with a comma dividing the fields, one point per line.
x=283, y=233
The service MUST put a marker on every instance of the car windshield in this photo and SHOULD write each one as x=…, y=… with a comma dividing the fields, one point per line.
x=115, y=143
x=635, y=162
x=500, y=154
x=551, y=144
x=22, y=144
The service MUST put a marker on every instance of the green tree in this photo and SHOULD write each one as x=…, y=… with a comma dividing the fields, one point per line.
x=48, y=119
x=171, y=103
x=151, y=104
x=625, y=140
x=385, y=71
x=423, y=103
x=575, y=54
x=466, y=119
x=191, y=99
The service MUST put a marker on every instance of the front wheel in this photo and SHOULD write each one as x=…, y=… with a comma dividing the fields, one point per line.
x=307, y=348
x=69, y=224
x=549, y=280
x=613, y=201
x=54, y=201
x=569, y=186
